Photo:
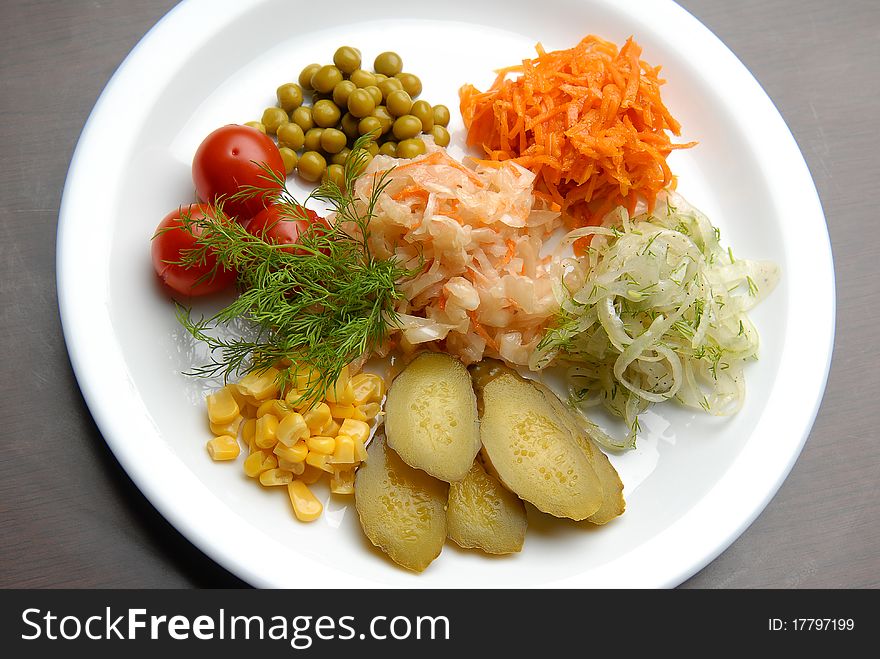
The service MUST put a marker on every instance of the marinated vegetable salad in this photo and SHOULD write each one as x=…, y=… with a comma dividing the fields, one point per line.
x=394, y=346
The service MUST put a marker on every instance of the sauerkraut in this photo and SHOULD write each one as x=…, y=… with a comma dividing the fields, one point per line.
x=482, y=287
x=655, y=310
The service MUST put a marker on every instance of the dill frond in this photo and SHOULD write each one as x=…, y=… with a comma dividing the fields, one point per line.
x=321, y=305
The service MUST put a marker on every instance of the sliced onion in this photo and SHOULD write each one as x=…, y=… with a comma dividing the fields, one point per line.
x=654, y=311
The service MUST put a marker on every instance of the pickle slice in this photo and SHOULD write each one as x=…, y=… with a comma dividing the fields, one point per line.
x=532, y=450
x=401, y=509
x=482, y=514
x=431, y=416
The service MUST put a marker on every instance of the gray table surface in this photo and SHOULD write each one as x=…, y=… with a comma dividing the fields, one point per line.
x=70, y=517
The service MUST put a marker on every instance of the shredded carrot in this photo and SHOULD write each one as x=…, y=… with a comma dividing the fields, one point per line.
x=588, y=121
x=511, y=251
x=411, y=191
x=481, y=331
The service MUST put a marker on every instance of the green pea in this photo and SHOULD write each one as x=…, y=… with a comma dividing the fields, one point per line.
x=311, y=166
x=362, y=78
x=376, y=93
x=441, y=135
x=389, y=85
x=290, y=96
x=339, y=157
x=425, y=113
x=398, y=103
x=342, y=91
x=370, y=125
x=388, y=63
x=372, y=149
x=305, y=78
x=406, y=127
x=349, y=125
x=326, y=78
x=291, y=136
x=272, y=118
x=302, y=117
x=409, y=148
x=361, y=103
x=389, y=149
x=333, y=140
x=441, y=115
x=325, y=113
x=335, y=173
x=379, y=77
x=258, y=125
x=411, y=83
x=347, y=59
x=381, y=113
x=312, y=141
x=289, y=157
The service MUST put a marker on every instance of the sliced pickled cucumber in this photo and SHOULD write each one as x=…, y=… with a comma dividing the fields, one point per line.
x=401, y=509
x=613, y=504
x=431, y=416
x=482, y=514
x=531, y=450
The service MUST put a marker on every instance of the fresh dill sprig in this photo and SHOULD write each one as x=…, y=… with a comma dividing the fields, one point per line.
x=753, y=287
x=320, y=304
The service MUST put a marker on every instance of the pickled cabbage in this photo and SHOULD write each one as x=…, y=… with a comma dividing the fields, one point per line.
x=475, y=237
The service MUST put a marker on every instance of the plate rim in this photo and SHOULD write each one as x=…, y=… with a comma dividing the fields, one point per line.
x=203, y=534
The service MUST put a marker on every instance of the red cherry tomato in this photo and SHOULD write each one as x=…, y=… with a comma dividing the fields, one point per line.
x=276, y=225
x=170, y=240
x=231, y=157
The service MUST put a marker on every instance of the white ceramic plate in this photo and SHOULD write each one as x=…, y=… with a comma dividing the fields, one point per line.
x=693, y=485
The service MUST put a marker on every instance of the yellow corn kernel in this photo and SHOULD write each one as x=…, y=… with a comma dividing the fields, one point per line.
x=273, y=406
x=340, y=394
x=265, y=432
x=311, y=474
x=342, y=481
x=258, y=462
x=295, y=453
x=330, y=429
x=276, y=476
x=340, y=411
x=222, y=407
x=344, y=453
x=240, y=399
x=224, y=447
x=360, y=451
x=249, y=433
x=295, y=401
x=368, y=388
x=319, y=444
x=341, y=391
x=369, y=411
x=260, y=384
x=319, y=461
x=357, y=430
x=307, y=405
x=306, y=506
x=317, y=417
x=305, y=377
x=292, y=429
x=230, y=428
x=296, y=468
